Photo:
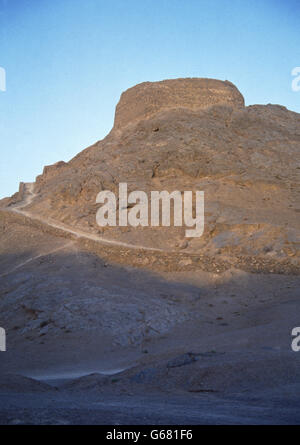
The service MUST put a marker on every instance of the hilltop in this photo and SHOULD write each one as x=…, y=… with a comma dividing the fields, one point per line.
x=190, y=134
x=205, y=322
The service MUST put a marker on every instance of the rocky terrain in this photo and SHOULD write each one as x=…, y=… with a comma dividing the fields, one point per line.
x=104, y=325
x=190, y=134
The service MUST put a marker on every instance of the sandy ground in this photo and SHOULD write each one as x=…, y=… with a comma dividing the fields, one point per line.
x=93, y=342
x=230, y=364
x=66, y=409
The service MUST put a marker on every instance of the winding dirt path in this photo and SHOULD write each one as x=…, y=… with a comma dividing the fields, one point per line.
x=29, y=196
x=204, y=262
x=29, y=260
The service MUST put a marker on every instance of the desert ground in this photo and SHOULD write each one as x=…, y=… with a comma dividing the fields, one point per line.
x=133, y=326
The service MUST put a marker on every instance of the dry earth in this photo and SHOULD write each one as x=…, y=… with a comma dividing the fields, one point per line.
x=140, y=325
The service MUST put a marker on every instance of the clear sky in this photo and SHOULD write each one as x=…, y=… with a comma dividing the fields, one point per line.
x=67, y=62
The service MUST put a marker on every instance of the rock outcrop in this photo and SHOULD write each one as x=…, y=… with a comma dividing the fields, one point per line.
x=148, y=98
x=191, y=134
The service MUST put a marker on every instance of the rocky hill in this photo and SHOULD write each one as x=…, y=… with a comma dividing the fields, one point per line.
x=191, y=134
x=205, y=322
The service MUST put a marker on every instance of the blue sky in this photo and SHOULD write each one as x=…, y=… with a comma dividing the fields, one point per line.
x=67, y=62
